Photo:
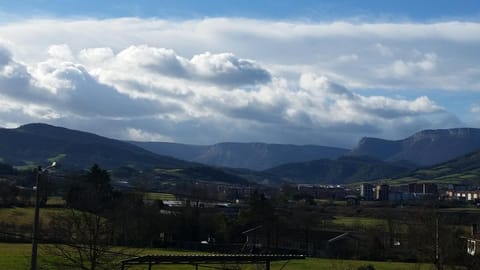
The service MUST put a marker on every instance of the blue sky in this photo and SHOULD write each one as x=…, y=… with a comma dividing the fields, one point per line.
x=425, y=10
x=303, y=72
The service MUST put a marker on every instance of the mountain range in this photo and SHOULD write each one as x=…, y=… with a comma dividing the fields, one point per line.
x=253, y=156
x=373, y=158
x=456, y=151
x=424, y=148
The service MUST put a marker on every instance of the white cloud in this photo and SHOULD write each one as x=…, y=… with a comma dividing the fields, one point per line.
x=401, y=68
x=135, y=134
x=384, y=50
x=60, y=52
x=204, y=81
x=475, y=109
x=5, y=56
x=223, y=68
x=95, y=56
x=348, y=58
x=314, y=46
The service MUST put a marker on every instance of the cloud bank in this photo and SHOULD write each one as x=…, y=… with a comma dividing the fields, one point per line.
x=219, y=79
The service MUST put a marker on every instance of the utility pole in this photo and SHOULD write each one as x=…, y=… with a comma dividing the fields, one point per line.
x=36, y=220
x=436, y=239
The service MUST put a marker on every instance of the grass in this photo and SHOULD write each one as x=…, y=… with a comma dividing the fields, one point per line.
x=14, y=256
x=23, y=216
x=317, y=263
x=17, y=257
x=360, y=221
x=55, y=201
x=331, y=202
x=29, y=165
x=57, y=158
x=159, y=196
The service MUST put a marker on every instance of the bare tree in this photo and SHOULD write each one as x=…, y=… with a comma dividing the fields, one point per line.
x=83, y=241
x=434, y=239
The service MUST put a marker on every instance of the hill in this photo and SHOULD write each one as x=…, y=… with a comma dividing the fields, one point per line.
x=39, y=144
x=424, y=148
x=340, y=171
x=462, y=170
x=253, y=156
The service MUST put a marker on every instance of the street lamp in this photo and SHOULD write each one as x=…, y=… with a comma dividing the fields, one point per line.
x=36, y=221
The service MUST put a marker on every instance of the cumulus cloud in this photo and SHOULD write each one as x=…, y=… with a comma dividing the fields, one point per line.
x=211, y=80
x=68, y=88
x=290, y=45
x=401, y=68
x=227, y=69
x=5, y=56
x=223, y=68
x=60, y=52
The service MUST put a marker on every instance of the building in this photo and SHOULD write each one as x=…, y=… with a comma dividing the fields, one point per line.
x=320, y=243
x=463, y=193
x=400, y=196
x=381, y=192
x=473, y=242
x=366, y=192
x=328, y=192
x=423, y=188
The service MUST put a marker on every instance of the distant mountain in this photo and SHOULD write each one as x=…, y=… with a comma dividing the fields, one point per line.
x=40, y=144
x=424, y=148
x=254, y=156
x=462, y=170
x=340, y=171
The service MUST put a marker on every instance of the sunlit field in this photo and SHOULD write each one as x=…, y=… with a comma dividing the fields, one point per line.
x=17, y=257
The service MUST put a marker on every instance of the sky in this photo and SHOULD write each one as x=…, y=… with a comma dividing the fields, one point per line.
x=203, y=72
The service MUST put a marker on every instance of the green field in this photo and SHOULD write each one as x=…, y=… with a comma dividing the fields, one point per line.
x=16, y=257
x=55, y=201
x=57, y=158
x=159, y=196
x=331, y=202
x=21, y=216
x=358, y=221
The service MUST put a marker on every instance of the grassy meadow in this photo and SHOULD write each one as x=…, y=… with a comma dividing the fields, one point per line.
x=159, y=196
x=23, y=216
x=17, y=257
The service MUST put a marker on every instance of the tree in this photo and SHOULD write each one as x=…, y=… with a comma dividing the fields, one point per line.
x=304, y=218
x=8, y=193
x=84, y=233
x=433, y=239
x=93, y=192
x=83, y=240
x=260, y=212
x=7, y=169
